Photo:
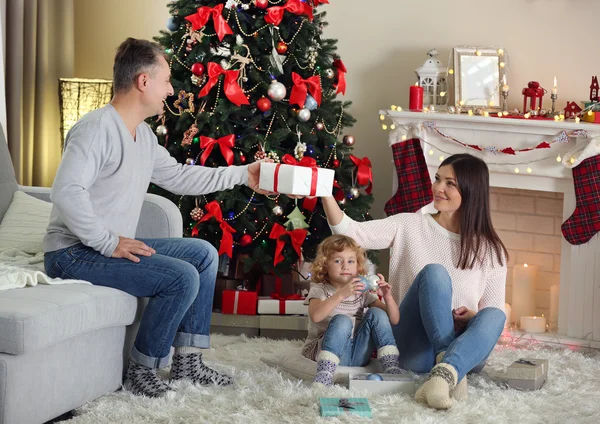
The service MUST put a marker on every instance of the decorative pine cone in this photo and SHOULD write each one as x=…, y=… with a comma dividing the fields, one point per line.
x=197, y=214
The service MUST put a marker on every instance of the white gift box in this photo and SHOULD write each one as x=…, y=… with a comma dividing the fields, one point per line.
x=391, y=383
x=298, y=180
x=268, y=306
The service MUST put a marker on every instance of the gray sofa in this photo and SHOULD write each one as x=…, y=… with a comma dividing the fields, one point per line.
x=64, y=345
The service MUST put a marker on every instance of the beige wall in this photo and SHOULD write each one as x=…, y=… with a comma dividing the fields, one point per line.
x=383, y=41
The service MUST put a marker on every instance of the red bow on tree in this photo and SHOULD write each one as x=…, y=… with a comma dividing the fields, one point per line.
x=224, y=143
x=302, y=87
x=307, y=161
x=214, y=211
x=297, y=7
x=200, y=18
x=297, y=237
x=231, y=88
x=318, y=2
x=341, y=84
x=364, y=174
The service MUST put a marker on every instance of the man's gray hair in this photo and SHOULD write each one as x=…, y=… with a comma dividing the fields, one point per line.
x=133, y=58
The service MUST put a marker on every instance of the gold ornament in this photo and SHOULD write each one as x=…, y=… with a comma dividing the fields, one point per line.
x=183, y=96
x=277, y=210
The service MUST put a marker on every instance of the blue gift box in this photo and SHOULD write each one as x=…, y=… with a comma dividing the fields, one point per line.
x=334, y=407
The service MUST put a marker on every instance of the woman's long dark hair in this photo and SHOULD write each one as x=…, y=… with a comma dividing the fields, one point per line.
x=478, y=237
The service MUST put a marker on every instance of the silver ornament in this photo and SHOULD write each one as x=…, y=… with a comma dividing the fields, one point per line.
x=320, y=126
x=278, y=210
x=190, y=161
x=371, y=283
x=303, y=115
x=329, y=73
x=162, y=130
x=276, y=91
x=348, y=140
x=354, y=192
x=451, y=109
x=310, y=103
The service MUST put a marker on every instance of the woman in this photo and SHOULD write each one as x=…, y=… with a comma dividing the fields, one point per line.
x=448, y=272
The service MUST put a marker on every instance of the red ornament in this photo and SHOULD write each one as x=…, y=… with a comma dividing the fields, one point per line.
x=281, y=48
x=336, y=163
x=532, y=92
x=572, y=110
x=262, y=4
x=198, y=69
x=242, y=158
x=245, y=240
x=263, y=104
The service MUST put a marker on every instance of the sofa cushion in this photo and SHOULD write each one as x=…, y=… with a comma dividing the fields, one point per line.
x=8, y=183
x=24, y=224
x=33, y=318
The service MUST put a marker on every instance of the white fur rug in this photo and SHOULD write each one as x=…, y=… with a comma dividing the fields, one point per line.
x=264, y=395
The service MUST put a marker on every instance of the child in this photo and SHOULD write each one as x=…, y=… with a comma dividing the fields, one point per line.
x=336, y=302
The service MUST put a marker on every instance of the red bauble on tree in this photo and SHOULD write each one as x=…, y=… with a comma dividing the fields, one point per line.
x=242, y=158
x=197, y=69
x=263, y=104
x=262, y=4
x=245, y=240
x=281, y=48
x=336, y=163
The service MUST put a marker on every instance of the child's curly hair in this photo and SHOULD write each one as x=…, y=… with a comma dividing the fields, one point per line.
x=335, y=244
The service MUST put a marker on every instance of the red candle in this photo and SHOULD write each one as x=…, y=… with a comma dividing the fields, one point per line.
x=416, y=98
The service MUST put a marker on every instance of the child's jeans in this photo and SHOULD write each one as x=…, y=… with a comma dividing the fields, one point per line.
x=374, y=331
x=426, y=327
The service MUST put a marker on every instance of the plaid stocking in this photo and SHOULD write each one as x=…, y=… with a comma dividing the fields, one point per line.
x=414, y=183
x=585, y=221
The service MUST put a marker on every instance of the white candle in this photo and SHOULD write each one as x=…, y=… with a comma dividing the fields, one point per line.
x=533, y=324
x=554, y=291
x=508, y=313
x=555, y=88
x=523, y=294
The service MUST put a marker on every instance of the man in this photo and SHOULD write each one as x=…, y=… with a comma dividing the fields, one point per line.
x=111, y=155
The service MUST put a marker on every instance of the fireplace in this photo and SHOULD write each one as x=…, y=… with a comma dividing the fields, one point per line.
x=531, y=195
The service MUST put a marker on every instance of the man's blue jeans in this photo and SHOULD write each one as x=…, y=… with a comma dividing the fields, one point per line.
x=374, y=331
x=426, y=327
x=179, y=279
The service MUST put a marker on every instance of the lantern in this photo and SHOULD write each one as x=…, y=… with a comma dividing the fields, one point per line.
x=533, y=92
x=433, y=78
x=594, y=88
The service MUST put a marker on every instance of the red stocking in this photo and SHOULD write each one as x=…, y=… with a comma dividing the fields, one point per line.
x=414, y=183
x=585, y=221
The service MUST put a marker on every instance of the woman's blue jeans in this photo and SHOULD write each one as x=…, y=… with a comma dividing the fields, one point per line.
x=426, y=327
x=179, y=280
x=373, y=332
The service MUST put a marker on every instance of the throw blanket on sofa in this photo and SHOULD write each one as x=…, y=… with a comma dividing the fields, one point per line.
x=19, y=269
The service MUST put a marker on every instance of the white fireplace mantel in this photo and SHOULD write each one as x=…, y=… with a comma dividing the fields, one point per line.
x=579, y=305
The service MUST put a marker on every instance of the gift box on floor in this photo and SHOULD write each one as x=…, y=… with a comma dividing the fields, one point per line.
x=240, y=302
x=271, y=284
x=221, y=285
x=391, y=383
x=279, y=305
x=334, y=407
x=299, y=180
x=527, y=374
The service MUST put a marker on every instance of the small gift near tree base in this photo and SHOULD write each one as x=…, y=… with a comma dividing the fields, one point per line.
x=527, y=374
x=381, y=384
x=334, y=407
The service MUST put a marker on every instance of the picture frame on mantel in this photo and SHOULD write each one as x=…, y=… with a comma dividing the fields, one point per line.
x=479, y=74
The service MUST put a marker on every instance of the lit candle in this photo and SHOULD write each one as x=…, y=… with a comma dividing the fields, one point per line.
x=416, y=98
x=523, y=294
x=555, y=88
x=508, y=313
x=504, y=86
x=533, y=324
x=554, y=291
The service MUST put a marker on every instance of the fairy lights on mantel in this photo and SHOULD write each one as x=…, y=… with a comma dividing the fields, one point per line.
x=412, y=131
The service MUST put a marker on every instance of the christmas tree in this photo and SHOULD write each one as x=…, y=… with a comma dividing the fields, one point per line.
x=254, y=79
